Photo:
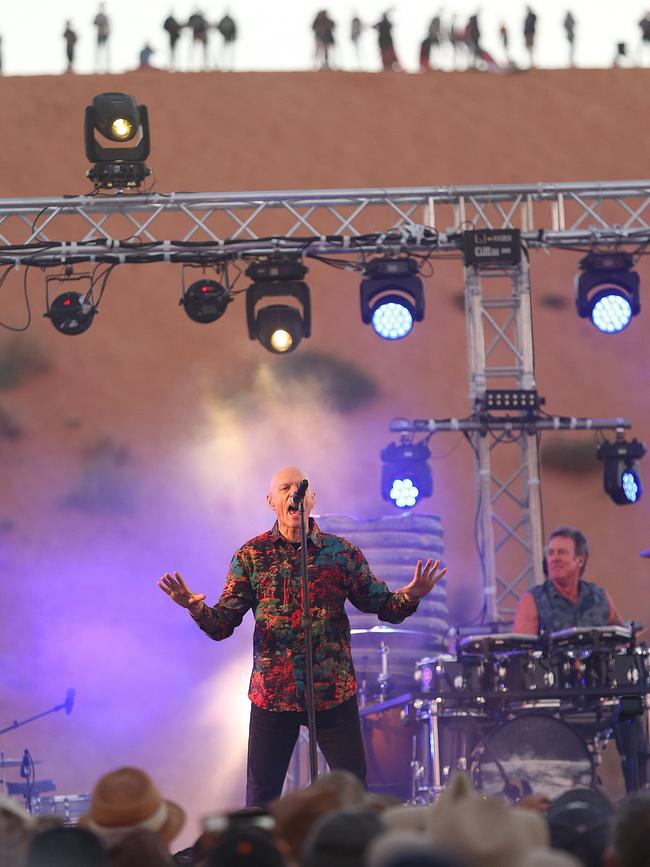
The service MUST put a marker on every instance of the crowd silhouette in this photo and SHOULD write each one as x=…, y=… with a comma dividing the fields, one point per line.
x=448, y=42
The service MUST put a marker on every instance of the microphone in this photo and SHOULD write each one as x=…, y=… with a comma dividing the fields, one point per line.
x=299, y=496
x=68, y=704
x=26, y=765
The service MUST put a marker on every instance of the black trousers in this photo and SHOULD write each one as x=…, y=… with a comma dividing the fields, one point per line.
x=272, y=737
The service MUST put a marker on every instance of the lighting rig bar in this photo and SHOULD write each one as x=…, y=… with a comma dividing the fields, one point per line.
x=484, y=424
x=208, y=227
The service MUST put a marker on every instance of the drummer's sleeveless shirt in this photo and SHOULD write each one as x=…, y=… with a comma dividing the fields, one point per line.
x=557, y=612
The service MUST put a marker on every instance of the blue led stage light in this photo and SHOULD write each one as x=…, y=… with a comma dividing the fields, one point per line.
x=405, y=475
x=611, y=311
x=392, y=320
x=608, y=291
x=392, y=296
x=621, y=476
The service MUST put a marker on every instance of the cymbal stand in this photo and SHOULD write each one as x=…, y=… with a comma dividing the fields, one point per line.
x=426, y=776
x=383, y=678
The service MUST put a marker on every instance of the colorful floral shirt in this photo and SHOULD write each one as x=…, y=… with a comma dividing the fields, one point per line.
x=265, y=575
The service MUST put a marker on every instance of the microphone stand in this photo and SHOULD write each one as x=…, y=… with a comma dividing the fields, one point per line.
x=16, y=725
x=309, y=657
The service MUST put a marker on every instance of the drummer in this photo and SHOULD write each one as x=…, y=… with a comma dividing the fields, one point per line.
x=565, y=599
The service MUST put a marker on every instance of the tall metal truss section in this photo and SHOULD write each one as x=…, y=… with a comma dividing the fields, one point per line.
x=212, y=228
x=509, y=514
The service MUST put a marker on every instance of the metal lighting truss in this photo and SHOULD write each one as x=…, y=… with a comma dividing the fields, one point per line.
x=509, y=511
x=195, y=227
x=216, y=227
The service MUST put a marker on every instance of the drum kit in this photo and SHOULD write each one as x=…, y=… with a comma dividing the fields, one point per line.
x=36, y=794
x=518, y=713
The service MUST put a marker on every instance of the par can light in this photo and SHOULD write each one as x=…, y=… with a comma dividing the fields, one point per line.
x=205, y=301
x=71, y=313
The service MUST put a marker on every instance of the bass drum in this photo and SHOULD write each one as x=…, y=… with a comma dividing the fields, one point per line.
x=535, y=752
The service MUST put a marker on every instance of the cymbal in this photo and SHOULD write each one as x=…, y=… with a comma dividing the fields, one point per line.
x=386, y=630
x=16, y=763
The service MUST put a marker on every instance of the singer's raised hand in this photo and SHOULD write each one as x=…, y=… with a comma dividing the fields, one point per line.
x=424, y=580
x=180, y=593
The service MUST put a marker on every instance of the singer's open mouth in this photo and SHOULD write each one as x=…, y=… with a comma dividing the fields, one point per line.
x=292, y=510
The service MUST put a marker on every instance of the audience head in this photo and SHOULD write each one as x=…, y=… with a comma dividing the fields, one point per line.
x=66, y=847
x=485, y=832
x=407, y=849
x=15, y=829
x=140, y=849
x=340, y=838
x=631, y=834
x=580, y=822
x=296, y=812
x=127, y=800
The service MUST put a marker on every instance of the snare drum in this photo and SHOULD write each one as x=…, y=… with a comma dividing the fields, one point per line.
x=69, y=808
x=545, y=753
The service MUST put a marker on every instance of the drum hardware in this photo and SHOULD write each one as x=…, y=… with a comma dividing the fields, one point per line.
x=15, y=763
x=383, y=678
x=23, y=790
x=69, y=808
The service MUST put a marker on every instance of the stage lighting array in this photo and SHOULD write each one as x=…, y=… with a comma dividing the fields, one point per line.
x=278, y=327
x=608, y=290
x=510, y=400
x=621, y=477
x=405, y=474
x=392, y=296
x=205, y=300
x=117, y=118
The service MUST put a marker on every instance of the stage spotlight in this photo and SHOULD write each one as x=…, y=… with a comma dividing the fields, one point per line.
x=118, y=118
x=392, y=296
x=621, y=477
x=608, y=290
x=205, y=301
x=71, y=313
x=405, y=474
x=278, y=327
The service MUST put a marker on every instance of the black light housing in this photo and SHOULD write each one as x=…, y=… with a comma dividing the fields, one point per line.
x=608, y=290
x=117, y=117
x=621, y=476
x=405, y=474
x=278, y=327
x=205, y=301
x=392, y=296
x=71, y=313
